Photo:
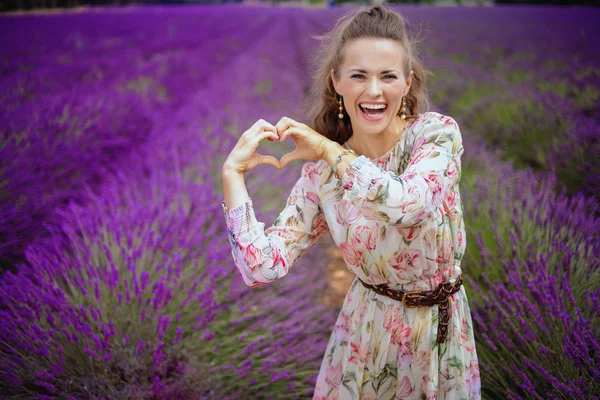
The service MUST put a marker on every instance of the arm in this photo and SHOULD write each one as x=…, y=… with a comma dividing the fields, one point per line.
x=234, y=188
x=262, y=255
x=410, y=198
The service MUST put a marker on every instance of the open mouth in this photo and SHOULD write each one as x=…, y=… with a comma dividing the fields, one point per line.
x=373, y=112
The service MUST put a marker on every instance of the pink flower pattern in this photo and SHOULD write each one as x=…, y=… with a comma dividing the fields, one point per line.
x=346, y=214
x=365, y=237
x=398, y=220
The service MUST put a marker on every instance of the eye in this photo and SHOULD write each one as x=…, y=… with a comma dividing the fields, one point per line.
x=357, y=76
x=389, y=77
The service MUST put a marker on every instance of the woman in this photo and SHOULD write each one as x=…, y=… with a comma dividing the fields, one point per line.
x=384, y=183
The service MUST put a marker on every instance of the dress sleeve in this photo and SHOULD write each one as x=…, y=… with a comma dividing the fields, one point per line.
x=410, y=198
x=262, y=255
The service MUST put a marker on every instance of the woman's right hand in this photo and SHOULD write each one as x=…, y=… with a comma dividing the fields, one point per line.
x=243, y=157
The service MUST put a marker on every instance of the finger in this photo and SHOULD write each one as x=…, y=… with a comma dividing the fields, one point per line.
x=281, y=126
x=266, y=135
x=289, y=132
x=271, y=129
x=254, y=128
x=259, y=124
x=284, y=123
x=268, y=160
x=262, y=125
x=288, y=158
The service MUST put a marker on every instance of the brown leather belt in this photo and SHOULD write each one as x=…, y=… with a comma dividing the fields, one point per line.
x=422, y=298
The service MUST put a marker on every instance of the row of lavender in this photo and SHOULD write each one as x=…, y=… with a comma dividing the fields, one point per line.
x=78, y=99
x=136, y=295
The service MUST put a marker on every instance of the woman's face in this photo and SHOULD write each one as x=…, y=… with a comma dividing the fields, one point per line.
x=371, y=82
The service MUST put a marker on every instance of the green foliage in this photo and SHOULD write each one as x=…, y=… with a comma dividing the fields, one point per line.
x=263, y=87
x=586, y=98
x=146, y=86
x=521, y=127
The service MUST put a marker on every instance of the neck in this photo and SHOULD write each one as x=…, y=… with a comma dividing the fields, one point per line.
x=375, y=146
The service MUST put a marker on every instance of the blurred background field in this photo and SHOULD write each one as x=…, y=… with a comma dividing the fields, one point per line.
x=118, y=280
x=49, y=6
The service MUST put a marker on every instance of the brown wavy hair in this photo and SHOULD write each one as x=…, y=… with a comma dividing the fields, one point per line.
x=372, y=22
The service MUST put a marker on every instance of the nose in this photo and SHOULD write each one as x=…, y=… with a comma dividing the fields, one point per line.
x=374, y=88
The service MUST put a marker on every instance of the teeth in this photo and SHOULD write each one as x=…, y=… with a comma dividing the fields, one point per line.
x=373, y=106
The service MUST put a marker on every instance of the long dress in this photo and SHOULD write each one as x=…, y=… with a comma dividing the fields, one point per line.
x=397, y=220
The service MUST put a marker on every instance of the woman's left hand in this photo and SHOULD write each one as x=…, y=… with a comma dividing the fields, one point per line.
x=310, y=145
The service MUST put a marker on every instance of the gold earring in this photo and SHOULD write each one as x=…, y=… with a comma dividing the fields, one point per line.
x=403, y=109
x=340, y=115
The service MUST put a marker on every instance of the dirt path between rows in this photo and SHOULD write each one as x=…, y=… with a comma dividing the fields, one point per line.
x=339, y=278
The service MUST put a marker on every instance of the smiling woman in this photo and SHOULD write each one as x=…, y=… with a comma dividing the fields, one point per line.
x=384, y=182
x=370, y=82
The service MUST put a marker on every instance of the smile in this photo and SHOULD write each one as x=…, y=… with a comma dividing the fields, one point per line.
x=372, y=111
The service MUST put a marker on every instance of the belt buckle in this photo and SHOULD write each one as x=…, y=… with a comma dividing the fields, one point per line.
x=407, y=295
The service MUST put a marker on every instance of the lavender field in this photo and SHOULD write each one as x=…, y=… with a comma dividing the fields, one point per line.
x=118, y=281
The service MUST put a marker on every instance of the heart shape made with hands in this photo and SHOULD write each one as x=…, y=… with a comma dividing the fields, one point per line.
x=310, y=145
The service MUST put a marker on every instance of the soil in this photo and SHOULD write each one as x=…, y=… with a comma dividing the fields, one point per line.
x=338, y=276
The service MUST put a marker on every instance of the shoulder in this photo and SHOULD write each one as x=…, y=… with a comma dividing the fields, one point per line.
x=431, y=119
x=438, y=129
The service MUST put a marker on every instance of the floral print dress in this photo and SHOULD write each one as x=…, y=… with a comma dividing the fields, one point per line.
x=397, y=220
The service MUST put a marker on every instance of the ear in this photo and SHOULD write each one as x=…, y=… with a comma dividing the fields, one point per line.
x=409, y=82
x=335, y=82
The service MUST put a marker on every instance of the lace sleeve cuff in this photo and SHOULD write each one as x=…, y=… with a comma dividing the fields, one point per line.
x=351, y=175
x=241, y=218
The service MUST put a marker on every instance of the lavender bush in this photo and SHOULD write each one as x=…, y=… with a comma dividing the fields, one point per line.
x=75, y=102
x=533, y=263
x=133, y=297
x=50, y=150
